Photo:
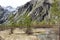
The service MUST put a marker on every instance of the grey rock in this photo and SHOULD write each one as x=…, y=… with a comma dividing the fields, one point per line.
x=36, y=9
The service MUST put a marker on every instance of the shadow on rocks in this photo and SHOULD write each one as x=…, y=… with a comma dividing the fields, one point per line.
x=1, y=38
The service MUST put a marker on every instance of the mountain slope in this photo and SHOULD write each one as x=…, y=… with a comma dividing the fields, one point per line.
x=34, y=10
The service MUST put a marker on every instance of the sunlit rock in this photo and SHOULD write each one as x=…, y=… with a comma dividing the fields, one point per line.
x=18, y=31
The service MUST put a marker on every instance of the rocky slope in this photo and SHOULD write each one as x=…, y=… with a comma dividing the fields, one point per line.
x=36, y=9
x=5, y=12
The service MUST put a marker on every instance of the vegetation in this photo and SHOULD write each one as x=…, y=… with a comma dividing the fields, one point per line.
x=55, y=12
x=25, y=21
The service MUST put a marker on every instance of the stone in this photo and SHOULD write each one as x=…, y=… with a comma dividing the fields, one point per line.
x=5, y=33
x=21, y=37
x=1, y=38
x=18, y=31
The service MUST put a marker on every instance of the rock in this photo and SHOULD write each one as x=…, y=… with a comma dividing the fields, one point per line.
x=18, y=31
x=19, y=34
x=21, y=37
x=5, y=33
x=36, y=9
x=1, y=38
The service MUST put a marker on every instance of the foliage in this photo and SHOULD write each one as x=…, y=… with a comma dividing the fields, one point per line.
x=55, y=12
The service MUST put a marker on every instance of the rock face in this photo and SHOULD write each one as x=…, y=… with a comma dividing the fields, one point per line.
x=1, y=14
x=36, y=9
x=41, y=9
x=4, y=13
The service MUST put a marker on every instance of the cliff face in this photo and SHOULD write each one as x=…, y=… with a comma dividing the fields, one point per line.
x=36, y=9
x=2, y=11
